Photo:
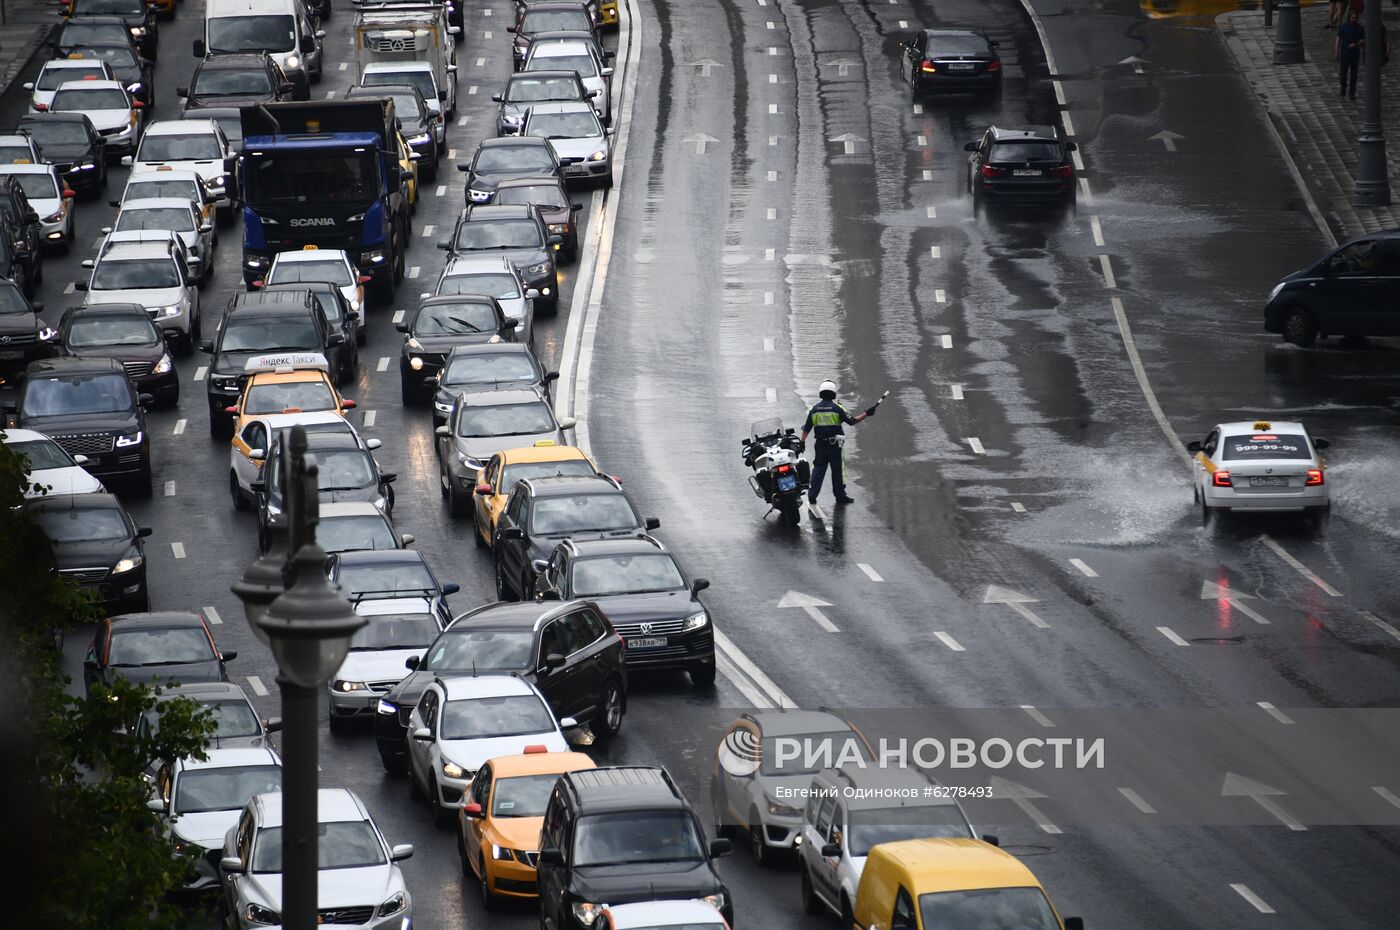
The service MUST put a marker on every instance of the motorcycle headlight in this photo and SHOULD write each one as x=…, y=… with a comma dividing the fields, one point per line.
x=293, y=61
x=541, y=268
x=695, y=621
x=598, y=155
x=387, y=708
x=257, y=914
x=715, y=900
x=479, y=196
x=585, y=912
x=163, y=365
x=127, y=564
x=395, y=904
x=346, y=687
x=131, y=439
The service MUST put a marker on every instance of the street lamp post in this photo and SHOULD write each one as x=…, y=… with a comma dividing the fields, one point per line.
x=307, y=623
x=1288, y=41
x=1372, y=187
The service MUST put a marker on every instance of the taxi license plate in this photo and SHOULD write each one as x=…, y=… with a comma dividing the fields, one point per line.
x=961, y=66
x=1268, y=482
x=646, y=642
x=787, y=483
x=1026, y=172
x=11, y=353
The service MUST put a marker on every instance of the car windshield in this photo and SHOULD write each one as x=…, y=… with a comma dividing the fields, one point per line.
x=399, y=576
x=343, y=470
x=564, y=125
x=491, y=717
x=51, y=78
x=109, y=8
x=494, y=650
x=77, y=524
x=57, y=132
x=224, y=789
x=100, y=330
x=490, y=368
x=555, y=21
x=11, y=300
x=330, y=270
x=231, y=718
x=41, y=453
x=406, y=106
x=626, y=574
x=501, y=286
x=160, y=646
x=506, y=420
x=82, y=99
x=252, y=34
x=98, y=34
x=1025, y=151
x=268, y=334
x=498, y=234
x=957, y=45
x=175, y=219
x=134, y=274
x=523, y=795
x=223, y=82
x=330, y=306
x=147, y=187
x=289, y=396
x=54, y=397
x=423, y=80
x=580, y=513
x=350, y=844
x=38, y=186
x=637, y=837
x=533, y=90
x=195, y=146
x=1021, y=908
x=890, y=825
x=231, y=125
x=117, y=56
x=299, y=177
x=361, y=531
x=544, y=195
x=520, y=158
x=1265, y=446
x=581, y=62
x=455, y=319
x=393, y=631
x=514, y=473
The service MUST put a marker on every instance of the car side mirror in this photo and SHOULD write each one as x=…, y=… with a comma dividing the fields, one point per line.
x=556, y=239
x=472, y=810
x=444, y=244
x=401, y=852
x=483, y=489
x=345, y=402
x=336, y=339
x=606, y=72
x=698, y=585
x=145, y=400
x=653, y=523
x=206, y=345
x=568, y=423
x=594, y=93
x=495, y=98
x=720, y=846
x=423, y=735
x=28, y=85
x=442, y=95
x=512, y=532
x=402, y=326
x=510, y=322
x=991, y=839
x=229, y=656
x=273, y=724
x=551, y=376
x=126, y=161
x=972, y=147
x=551, y=856
x=568, y=723
x=1193, y=446
x=511, y=30
x=1074, y=923
x=389, y=477
x=831, y=850
x=199, y=49
x=407, y=539
x=554, y=660
x=1320, y=444
x=143, y=531
x=1071, y=146
x=373, y=444
x=532, y=293
x=182, y=91
x=206, y=227
x=286, y=87
x=231, y=864
x=994, y=43
x=80, y=460
x=411, y=663
x=155, y=805
x=451, y=587
x=539, y=565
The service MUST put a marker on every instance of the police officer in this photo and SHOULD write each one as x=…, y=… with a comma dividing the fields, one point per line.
x=827, y=419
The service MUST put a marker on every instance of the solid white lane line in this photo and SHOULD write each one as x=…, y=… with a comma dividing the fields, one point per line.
x=726, y=645
x=200, y=372
x=1069, y=125
x=948, y=641
x=768, y=345
x=398, y=316
x=768, y=298
x=428, y=230
x=940, y=296
x=179, y=427
x=770, y=395
x=957, y=390
x=1386, y=793
x=1381, y=624
x=1097, y=229
x=737, y=678
x=935, y=251
x=1085, y=193
x=1083, y=567
x=1274, y=712
x=1258, y=902
x=1130, y=346
x=1059, y=92
x=1018, y=507
x=1171, y=634
x=383, y=364
x=69, y=288
x=1037, y=715
x=1109, y=281
x=947, y=341
x=976, y=445
x=212, y=615
x=1136, y=800
x=369, y=418
x=178, y=550
x=1299, y=567
x=169, y=489
x=1078, y=160
x=869, y=571
x=258, y=687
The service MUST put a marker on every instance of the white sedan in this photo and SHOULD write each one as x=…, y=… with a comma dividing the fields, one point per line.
x=50, y=466
x=1259, y=466
x=51, y=198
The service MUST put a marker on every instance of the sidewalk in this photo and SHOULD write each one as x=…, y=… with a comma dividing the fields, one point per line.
x=1318, y=129
x=27, y=24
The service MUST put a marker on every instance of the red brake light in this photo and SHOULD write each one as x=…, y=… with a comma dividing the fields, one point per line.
x=534, y=748
x=1221, y=479
x=928, y=66
x=994, y=65
x=1061, y=171
x=991, y=171
x=784, y=469
x=1314, y=477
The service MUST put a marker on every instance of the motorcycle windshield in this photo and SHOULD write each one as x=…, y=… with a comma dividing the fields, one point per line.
x=772, y=426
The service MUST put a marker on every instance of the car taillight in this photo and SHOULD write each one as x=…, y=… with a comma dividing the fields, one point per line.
x=1221, y=479
x=991, y=171
x=928, y=66
x=1061, y=171
x=1314, y=476
x=994, y=65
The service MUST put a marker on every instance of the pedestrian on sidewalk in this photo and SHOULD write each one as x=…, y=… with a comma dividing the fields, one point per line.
x=1334, y=13
x=1346, y=50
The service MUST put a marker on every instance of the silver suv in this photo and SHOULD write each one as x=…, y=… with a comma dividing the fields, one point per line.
x=149, y=268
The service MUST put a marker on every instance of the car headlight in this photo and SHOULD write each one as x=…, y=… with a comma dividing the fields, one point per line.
x=347, y=686
x=479, y=196
x=467, y=460
x=585, y=912
x=131, y=439
x=220, y=181
x=502, y=853
x=415, y=363
x=395, y=904
x=420, y=139
x=387, y=708
x=257, y=914
x=355, y=219
x=373, y=257
x=715, y=900
x=779, y=809
x=413, y=343
x=453, y=770
x=138, y=31
x=558, y=227
x=1278, y=289
x=55, y=216
x=127, y=564
x=273, y=510
x=225, y=382
x=166, y=313
x=184, y=847
x=695, y=621
x=442, y=408
x=86, y=166
x=513, y=119
x=598, y=155
x=541, y=268
x=163, y=365
x=293, y=61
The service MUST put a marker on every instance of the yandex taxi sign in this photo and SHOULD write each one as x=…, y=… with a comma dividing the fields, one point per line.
x=288, y=361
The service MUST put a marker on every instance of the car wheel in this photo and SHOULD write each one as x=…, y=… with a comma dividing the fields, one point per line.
x=477, y=536
x=503, y=591
x=761, y=855
x=722, y=826
x=1299, y=327
x=848, y=918
x=488, y=897
x=394, y=765
x=239, y=501
x=1206, y=512
x=609, y=720
x=703, y=676
x=444, y=482
x=811, y=904
x=457, y=503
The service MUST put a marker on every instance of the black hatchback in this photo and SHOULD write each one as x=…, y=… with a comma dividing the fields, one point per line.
x=1354, y=291
x=96, y=544
x=1020, y=164
x=952, y=61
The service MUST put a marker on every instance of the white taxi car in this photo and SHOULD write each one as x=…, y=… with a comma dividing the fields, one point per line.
x=110, y=106
x=51, y=198
x=194, y=145
x=331, y=266
x=1259, y=466
x=54, y=73
x=166, y=181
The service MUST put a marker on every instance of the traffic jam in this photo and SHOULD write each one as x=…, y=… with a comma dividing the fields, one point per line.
x=401, y=207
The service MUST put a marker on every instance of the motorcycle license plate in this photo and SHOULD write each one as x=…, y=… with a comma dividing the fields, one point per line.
x=646, y=642
x=787, y=482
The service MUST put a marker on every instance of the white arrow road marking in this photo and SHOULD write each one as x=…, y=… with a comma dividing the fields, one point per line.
x=1237, y=786
x=1274, y=712
x=1380, y=624
x=1172, y=635
x=1084, y=568
x=1214, y=591
x=1017, y=601
x=1258, y=902
x=848, y=141
x=1168, y=139
x=212, y=616
x=706, y=65
x=1297, y=566
x=1135, y=61
x=948, y=641
x=701, y=140
x=1022, y=797
x=1386, y=793
x=1136, y=800
x=811, y=606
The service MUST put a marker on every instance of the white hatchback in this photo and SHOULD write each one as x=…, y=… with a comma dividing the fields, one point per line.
x=1259, y=466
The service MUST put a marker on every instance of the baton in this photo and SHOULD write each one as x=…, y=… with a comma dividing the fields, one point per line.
x=870, y=411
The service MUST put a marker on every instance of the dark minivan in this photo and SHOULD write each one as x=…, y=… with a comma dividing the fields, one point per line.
x=1355, y=291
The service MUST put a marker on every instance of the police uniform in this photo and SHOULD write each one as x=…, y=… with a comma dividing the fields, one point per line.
x=826, y=420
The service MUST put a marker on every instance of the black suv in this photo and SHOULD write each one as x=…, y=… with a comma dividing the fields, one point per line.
x=138, y=20
x=638, y=584
x=482, y=367
x=569, y=651
x=527, y=87
x=1351, y=292
x=543, y=512
x=618, y=835
x=23, y=336
x=23, y=233
x=517, y=233
x=441, y=324
x=341, y=318
x=126, y=333
x=1021, y=164
x=257, y=323
x=548, y=16
x=346, y=471
x=89, y=407
x=241, y=80
x=495, y=160
x=97, y=545
x=953, y=61
x=70, y=143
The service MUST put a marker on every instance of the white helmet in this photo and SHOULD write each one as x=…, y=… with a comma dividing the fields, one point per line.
x=828, y=387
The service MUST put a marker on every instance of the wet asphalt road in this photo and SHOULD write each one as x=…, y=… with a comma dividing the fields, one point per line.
x=744, y=274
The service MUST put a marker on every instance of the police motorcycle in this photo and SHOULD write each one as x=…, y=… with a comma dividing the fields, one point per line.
x=781, y=476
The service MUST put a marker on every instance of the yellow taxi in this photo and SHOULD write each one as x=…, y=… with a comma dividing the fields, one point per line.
x=608, y=13
x=931, y=883
x=504, y=469
x=498, y=824
x=408, y=165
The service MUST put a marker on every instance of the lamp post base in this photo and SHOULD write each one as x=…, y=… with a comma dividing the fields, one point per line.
x=1288, y=40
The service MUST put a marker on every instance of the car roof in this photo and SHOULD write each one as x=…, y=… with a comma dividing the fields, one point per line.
x=624, y=787
x=536, y=454
x=555, y=5
x=119, y=248
x=540, y=763
x=797, y=722
x=157, y=620
x=512, y=614
x=267, y=300
x=125, y=309
x=98, y=501
x=382, y=90
x=505, y=142
x=230, y=757
x=234, y=60
x=311, y=417
x=321, y=440
x=27, y=169
x=380, y=606
x=562, y=106
x=92, y=85
x=499, y=398
x=561, y=485
x=348, y=508
x=954, y=864
x=956, y=32
x=309, y=255
x=29, y=119
x=543, y=73
x=380, y=556
x=164, y=173
x=447, y=300
x=552, y=48
x=333, y=805
x=492, y=348
x=178, y=127
x=663, y=914
x=476, y=264
x=1249, y=427
x=641, y=544
x=203, y=691
x=1007, y=134
x=155, y=203
x=72, y=365
x=543, y=180
x=10, y=435
x=399, y=65
x=498, y=211
x=469, y=687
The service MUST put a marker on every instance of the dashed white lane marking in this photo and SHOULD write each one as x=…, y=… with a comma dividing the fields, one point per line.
x=480, y=62
x=957, y=390
x=773, y=50
x=1172, y=635
x=487, y=34
x=1299, y=567
x=1274, y=712
x=1387, y=794
x=918, y=109
x=1078, y=160
x=947, y=341
x=471, y=91
x=869, y=571
x=768, y=298
x=770, y=254
x=772, y=140
x=1097, y=229
x=1085, y=193
x=1259, y=903
x=330, y=95
x=772, y=79
x=169, y=489
x=1083, y=567
x=768, y=345
x=200, y=372
x=1109, y=281
x=428, y=230
x=1136, y=800
x=414, y=271
x=486, y=12
x=178, y=550
x=762, y=2
x=1018, y=507
x=772, y=213
x=904, y=24
x=770, y=395
x=344, y=65
x=1037, y=715
x=926, y=175
x=976, y=445
x=383, y=364
x=772, y=108
x=772, y=25
x=462, y=120
x=398, y=316
x=935, y=251
x=1381, y=624
x=1059, y=92
x=369, y=418
x=69, y=288
x=258, y=687
x=940, y=296
x=948, y=641
x=451, y=153
x=1069, y=125
x=179, y=427
x=212, y=616
x=921, y=140
x=772, y=175
x=441, y=190
x=932, y=212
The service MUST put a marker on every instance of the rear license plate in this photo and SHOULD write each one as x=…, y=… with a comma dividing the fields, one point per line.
x=11, y=353
x=961, y=66
x=1268, y=482
x=646, y=642
x=786, y=483
x=1026, y=172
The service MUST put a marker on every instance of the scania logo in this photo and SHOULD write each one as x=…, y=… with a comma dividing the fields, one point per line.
x=312, y=221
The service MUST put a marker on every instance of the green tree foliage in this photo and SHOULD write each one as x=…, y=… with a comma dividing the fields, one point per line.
x=81, y=851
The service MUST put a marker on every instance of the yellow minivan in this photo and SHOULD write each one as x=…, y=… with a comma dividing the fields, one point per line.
x=935, y=883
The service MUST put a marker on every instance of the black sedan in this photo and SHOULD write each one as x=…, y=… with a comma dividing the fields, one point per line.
x=96, y=544
x=439, y=325
x=384, y=572
x=1030, y=164
x=527, y=87
x=556, y=209
x=149, y=647
x=497, y=160
x=952, y=61
x=125, y=333
x=486, y=367
x=139, y=18
x=342, y=319
x=70, y=143
x=23, y=336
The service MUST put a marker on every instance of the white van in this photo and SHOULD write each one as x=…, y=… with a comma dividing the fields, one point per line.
x=282, y=28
